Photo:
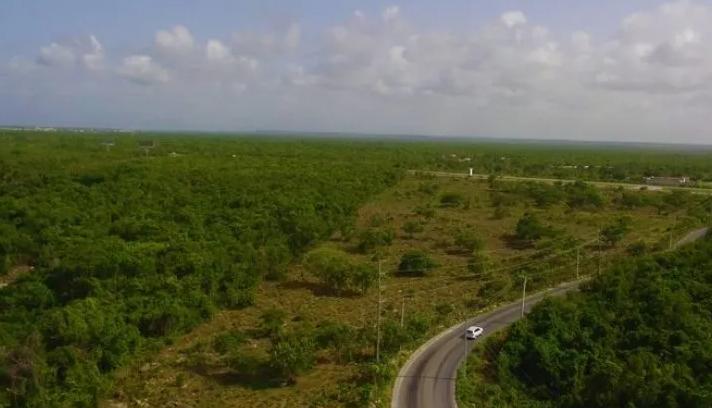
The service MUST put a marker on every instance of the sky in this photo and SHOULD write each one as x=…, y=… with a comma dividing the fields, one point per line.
x=605, y=70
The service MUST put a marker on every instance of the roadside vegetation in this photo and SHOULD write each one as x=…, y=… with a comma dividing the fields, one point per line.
x=217, y=271
x=637, y=336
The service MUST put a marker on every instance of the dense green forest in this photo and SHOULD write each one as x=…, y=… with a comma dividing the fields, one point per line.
x=638, y=336
x=130, y=248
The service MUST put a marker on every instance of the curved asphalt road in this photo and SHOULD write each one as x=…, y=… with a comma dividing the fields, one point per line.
x=427, y=380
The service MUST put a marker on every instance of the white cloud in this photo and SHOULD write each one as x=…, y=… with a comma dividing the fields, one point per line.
x=293, y=37
x=178, y=40
x=391, y=13
x=94, y=59
x=217, y=51
x=56, y=55
x=513, y=18
x=141, y=69
x=376, y=72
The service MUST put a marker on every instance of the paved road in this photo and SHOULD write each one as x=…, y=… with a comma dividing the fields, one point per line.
x=692, y=236
x=427, y=380
x=604, y=184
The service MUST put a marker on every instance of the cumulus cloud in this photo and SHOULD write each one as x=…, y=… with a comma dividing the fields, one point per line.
x=86, y=52
x=513, y=18
x=391, y=13
x=508, y=76
x=177, y=40
x=217, y=51
x=94, y=59
x=56, y=55
x=143, y=70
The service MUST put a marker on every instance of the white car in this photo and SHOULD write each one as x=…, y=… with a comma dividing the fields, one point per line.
x=473, y=332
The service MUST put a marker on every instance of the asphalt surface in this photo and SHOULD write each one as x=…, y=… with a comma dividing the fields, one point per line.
x=692, y=237
x=427, y=380
x=603, y=184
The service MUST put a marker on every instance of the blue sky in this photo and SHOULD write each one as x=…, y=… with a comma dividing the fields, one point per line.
x=634, y=70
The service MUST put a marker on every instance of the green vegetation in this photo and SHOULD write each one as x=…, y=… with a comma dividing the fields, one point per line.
x=415, y=263
x=130, y=250
x=338, y=272
x=638, y=336
x=241, y=270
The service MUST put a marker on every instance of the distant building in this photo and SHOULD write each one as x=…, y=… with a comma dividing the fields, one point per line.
x=667, y=181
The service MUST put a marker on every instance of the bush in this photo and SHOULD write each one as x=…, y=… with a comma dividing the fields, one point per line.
x=292, y=355
x=412, y=227
x=529, y=228
x=272, y=323
x=225, y=343
x=363, y=277
x=341, y=338
x=637, y=248
x=451, y=199
x=332, y=267
x=612, y=234
x=583, y=195
x=415, y=263
x=479, y=263
x=468, y=240
x=336, y=270
x=425, y=211
x=428, y=188
x=374, y=238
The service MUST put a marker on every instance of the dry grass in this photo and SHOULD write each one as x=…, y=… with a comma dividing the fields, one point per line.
x=171, y=379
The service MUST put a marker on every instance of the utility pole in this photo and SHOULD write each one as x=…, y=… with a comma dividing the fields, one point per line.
x=578, y=262
x=402, y=310
x=600, y=254
x=524, y=294
x=378, y=318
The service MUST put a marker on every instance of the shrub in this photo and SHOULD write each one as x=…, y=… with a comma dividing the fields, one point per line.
x=363, y=277
x=451, y=199
x=468, y=240
x=529, y=228
x=415, y=263
x=425, y=211
x=479, y=263
x=331, y=266
x=292, y=355
x=583, y=195
x=613, y=234
x=374, y=238
x=272, y=323
x=412, y=227
x=225, y=343
x=428, y=188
